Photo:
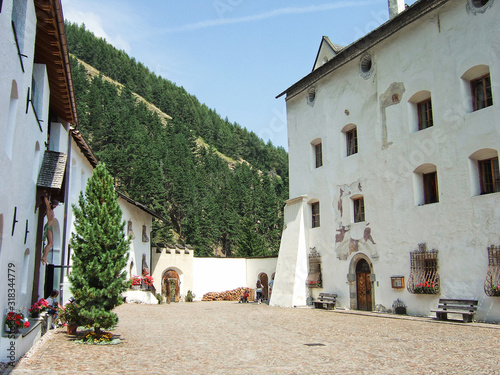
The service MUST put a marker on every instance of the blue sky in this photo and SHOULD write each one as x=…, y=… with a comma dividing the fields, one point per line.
x=233, y=55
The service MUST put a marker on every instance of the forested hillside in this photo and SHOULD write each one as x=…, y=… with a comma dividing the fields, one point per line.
x=228, y=205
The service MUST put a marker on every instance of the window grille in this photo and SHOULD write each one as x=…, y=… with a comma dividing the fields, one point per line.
x=352, y=141
x=314, y=277
x=481, y=92
x=424, y=114
x=315, y=214
x=489, y=174
x=318, y=150
x=424, y=278
x=492, y=283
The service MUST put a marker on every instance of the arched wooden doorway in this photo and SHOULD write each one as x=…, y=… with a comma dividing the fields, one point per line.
x=363, y=286
x=170, y=286
x=265, y=285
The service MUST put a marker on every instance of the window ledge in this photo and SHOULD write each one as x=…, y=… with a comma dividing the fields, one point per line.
x=427, y=204
x=482, y=110
x=486, y=195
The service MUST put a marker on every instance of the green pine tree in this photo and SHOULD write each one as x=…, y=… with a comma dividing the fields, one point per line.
x=99, y=252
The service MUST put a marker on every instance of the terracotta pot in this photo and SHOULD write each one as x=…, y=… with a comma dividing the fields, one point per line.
x=71, y=329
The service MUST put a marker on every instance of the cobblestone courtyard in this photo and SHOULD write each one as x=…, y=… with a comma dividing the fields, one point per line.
x=232, y=338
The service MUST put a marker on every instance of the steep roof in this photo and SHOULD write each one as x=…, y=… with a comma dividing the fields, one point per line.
x=84, y=147
x=51, y=49
x=51, y=174
x=356, y=49
x=326, y=51
x=141, y=206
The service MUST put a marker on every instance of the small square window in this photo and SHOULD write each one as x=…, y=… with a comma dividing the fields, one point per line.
x=430, y=188
x=359, y=210
x=481, y=92
x=318, y=151
x=489, y=176
x=352, y=141
x=424, y=114
x=315, y=214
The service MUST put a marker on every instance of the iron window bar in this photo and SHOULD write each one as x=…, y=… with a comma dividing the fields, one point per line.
x=424, y=278
x=18, y=48
x=493, y=276
x=29, y=101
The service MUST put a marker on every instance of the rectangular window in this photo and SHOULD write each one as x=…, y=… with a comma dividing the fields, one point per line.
x=481, y=93
x=352, y=141
x=489, y=175
x=318, y=151
x=430, y=188
x=359, y=210
x=424, y=114
x=315, y=214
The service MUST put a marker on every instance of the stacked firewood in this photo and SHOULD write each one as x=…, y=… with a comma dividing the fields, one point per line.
x=228, y=295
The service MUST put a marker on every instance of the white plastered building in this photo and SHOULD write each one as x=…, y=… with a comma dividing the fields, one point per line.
x=393, y=149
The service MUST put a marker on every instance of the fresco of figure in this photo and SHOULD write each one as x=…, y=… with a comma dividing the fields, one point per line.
x=367, y=235
x=339, y=237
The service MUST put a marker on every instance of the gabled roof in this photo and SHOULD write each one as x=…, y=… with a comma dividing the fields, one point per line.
x=51, y=174
x=326, y=51
x=356, y=49
x=84, y=147
x=51, y=49
x=141, y=206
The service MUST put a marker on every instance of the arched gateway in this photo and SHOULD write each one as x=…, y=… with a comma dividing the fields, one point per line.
x=170, y=286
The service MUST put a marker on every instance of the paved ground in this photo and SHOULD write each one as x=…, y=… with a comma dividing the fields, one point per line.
x=232, y=338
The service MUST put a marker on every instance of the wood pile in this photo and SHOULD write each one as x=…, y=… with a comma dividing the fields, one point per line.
x=228, y=295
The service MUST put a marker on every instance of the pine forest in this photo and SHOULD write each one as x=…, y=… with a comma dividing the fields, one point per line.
x=220, y=187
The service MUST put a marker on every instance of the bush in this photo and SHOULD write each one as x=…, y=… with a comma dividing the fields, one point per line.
x=159, y=298
x=190, y=296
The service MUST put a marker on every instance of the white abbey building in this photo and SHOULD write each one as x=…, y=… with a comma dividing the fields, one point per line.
x=394, y=179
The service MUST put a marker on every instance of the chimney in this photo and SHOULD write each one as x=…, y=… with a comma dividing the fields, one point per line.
x=396, y=7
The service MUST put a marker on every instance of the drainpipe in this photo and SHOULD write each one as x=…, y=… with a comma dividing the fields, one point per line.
x=66, y=209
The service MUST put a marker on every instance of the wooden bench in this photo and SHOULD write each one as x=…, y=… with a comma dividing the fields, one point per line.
x=466, y=307
x=325, y=300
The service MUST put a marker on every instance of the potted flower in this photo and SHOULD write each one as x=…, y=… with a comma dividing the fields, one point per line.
x=68, y=315
x=496, y=290
x=15, y=321
x=147, y=281
x=38, y=307
x=136, y=282
x=426, y=288
x=314, y=283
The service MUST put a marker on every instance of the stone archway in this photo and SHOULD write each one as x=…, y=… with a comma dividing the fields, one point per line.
x=361, y=279
x=170, y=286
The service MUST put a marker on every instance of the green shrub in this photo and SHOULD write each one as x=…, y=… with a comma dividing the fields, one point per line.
x=190, y=296
x=159, y=298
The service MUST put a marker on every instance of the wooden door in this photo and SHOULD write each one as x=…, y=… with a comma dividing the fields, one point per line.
x=363, y=286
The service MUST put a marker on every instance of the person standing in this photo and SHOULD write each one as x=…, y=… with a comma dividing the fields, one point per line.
x=258, y=290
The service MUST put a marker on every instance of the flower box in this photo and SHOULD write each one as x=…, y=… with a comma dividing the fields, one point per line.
x=426, y=288
x=14, y=321
x=314, y=284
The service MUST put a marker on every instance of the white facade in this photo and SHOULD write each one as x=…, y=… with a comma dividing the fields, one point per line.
x=431, y=50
